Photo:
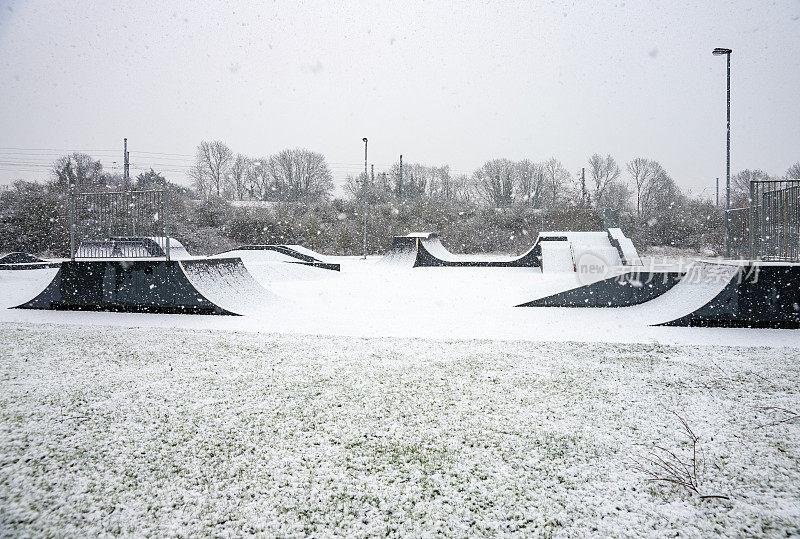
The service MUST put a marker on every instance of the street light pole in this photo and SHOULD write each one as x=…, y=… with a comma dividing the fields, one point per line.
x=727, y=52
x=364, y=190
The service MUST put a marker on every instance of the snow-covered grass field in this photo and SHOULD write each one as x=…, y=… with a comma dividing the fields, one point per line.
x=174, y=431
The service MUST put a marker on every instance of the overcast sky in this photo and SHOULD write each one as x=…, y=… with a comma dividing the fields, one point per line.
x=440, y=84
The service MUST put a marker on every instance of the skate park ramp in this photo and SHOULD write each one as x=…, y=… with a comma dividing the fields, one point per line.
x=19, y=286
x=424, y=249
x=701, y=283
x=24, y=261
x=227, y=284
x=563, y=250
x=198, y=286
x=716, y=294
x=295, y=254
x=757, y=295
x=403, y=251
x=623, y=290
x=271, y=266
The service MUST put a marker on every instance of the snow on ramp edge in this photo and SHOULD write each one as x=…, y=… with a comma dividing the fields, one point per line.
x=226, y=283
x=703, y=282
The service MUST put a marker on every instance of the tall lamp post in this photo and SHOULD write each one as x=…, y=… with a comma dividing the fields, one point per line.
x=364, y=190
x=727, y=52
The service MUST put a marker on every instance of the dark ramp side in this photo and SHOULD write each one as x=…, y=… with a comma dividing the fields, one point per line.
x=759, y=295
x=152, y=286
x=631, y=288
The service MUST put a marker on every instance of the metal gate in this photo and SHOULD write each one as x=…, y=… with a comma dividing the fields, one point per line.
x=122, y=224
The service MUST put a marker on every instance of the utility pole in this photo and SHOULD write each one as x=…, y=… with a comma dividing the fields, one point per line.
x=372, y=174
x=126, y=164
x=719, y=51
x=583, y=186
x=400, y=183
x=717, y=192
x=365, y=197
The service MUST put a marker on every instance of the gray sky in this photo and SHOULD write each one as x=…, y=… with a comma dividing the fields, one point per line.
x=440, y=84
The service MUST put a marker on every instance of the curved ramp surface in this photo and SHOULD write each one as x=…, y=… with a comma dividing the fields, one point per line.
x=227, y=284
x=566, y=250
x=431, y=253
x=204, y=286
x=702, y=282
x=269, y=266
x=423, y=249
x=403, y=251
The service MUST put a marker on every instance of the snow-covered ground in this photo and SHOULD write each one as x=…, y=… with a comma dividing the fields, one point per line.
x=164, y=432
x=386, y=400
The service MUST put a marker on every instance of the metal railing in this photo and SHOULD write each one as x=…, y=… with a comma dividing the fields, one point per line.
x=122, y=224
x=769, y=228
x=776, y=211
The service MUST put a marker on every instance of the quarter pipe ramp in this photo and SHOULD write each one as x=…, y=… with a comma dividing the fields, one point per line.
x=717, y=294
x=201, y=286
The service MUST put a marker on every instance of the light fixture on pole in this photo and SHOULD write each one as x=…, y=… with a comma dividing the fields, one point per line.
x=364, y=189
x=719, y=51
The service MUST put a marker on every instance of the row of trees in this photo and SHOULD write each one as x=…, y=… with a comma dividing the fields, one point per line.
x=500, y=206
x=300, y=175
x=292, y=175
x=503, y=183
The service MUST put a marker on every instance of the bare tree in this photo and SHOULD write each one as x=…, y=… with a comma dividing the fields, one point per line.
x=377, y=192
x=556, y=178
x=77, y=170
x=240, y=176
x=531, y=184
x=416, y=179
x=440, y=184
x=494, y=182
x=257, y=180
x=740, y=185
x=212, y=166
x=642, y=172
x=617, y=196
x=660, y=196
x=299, y=174
x=603, y=171
x=793, y=172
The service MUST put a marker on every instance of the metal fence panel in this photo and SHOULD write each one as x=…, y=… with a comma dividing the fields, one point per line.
x=126, y=224
x=769, y=229
x=775, y=214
